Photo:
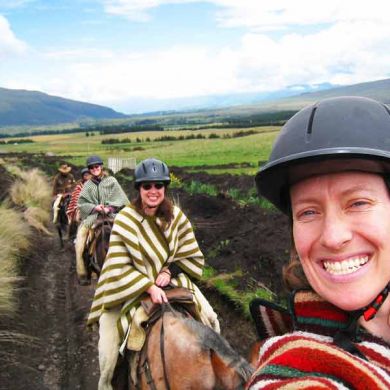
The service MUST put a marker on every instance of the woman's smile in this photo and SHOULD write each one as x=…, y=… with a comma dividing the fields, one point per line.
x=341, y=229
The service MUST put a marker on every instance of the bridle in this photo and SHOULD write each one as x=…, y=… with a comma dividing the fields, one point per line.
x=165, y=307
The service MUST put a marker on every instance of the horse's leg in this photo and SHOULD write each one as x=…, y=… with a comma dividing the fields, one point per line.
x=108, y=347
x=60, y=235
x=81, y=238
x=56, y=207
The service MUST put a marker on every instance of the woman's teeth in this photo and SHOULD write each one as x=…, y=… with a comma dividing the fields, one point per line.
x=346, y=266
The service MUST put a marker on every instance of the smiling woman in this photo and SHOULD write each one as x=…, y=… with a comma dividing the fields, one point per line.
x=152, y=247
x=330, y=172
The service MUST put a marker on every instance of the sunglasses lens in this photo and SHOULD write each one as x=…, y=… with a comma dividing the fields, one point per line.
x=148, y=186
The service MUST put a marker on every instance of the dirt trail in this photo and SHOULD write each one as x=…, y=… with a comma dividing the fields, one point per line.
x=52, y=311
x=53, y=307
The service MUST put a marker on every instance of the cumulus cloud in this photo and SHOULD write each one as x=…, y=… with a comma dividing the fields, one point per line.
x=345, y=53
x=9, y=44
x=284, y=44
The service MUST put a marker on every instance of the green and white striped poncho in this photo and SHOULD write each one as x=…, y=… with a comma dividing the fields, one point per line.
x=139, y=249
x=107, y=192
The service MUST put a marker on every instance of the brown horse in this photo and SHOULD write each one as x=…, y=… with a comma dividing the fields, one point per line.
x=97, y=244
x=62, y=224
x=182, y=353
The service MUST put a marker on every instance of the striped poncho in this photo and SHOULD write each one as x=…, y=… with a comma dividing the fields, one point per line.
x=72, y=206
x=308, y=357
x=107, y=192
x=139, y=249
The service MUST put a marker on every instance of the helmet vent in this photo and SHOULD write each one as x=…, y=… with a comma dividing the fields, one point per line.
x=386, y=108
x=310, y=124
x=311, y=119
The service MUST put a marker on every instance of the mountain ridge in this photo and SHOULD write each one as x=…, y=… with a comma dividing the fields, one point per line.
x=20, y=107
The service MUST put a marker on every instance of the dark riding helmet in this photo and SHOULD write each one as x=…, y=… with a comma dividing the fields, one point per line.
x=150, y=170
x=355, y=129
x=84, y=171
x=93, y=160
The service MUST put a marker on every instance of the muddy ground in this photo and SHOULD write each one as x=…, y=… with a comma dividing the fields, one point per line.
x=53, y=307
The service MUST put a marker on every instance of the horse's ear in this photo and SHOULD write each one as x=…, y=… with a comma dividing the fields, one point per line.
x=270, y=319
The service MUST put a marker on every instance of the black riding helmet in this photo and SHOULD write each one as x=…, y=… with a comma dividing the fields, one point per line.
x=151, y=170
x=93, y=160
x=84, y=171
x=349, y=128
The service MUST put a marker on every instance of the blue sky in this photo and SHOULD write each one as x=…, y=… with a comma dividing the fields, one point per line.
x=116, y=52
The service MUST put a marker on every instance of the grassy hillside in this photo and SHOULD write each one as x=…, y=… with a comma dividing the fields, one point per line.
x=19, y=107
x=195, y=152
x=35, y=108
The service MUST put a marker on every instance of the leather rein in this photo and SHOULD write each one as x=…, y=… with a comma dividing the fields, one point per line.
x=146, y=365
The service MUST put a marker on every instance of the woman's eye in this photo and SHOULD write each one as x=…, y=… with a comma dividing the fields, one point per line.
x=306, y=214
x=359, y=203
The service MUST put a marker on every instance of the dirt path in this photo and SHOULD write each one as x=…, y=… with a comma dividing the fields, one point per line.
x=53, y=308
x=63, y=353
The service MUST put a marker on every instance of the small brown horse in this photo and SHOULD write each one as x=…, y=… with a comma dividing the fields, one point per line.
x=97, y=244
x=62, y=224
x=182, y=353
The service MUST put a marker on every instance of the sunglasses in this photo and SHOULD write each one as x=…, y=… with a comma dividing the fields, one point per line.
x=94, y=166
x=149, y=186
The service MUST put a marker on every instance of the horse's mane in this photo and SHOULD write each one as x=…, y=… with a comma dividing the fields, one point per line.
x=211, y=340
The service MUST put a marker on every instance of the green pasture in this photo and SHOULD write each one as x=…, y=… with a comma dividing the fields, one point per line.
x=195, y=152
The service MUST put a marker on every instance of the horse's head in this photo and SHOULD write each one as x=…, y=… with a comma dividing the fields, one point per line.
x=194, y=356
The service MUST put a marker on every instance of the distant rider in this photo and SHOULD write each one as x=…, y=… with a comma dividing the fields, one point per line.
x=102, y=194
x=62, y=185
x=72, y=211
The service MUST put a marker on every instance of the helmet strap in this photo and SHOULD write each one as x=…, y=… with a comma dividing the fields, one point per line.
x=370, y=311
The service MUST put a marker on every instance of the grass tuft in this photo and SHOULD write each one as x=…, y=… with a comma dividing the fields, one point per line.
x=14, y=239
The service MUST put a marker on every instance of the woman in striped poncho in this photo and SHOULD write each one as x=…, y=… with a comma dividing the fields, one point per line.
x=152, y=245
x=102, y=194
x=330, y=172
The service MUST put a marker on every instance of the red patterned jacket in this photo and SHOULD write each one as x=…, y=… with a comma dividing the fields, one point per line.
x=72, y=207
x=307, y=357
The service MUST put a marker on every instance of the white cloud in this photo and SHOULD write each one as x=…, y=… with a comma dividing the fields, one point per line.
x=347, y=43
x=344, y=53
x=9, y=44
x=281, y=14
x=8, y=4
x=137, y=9
x=265, y=14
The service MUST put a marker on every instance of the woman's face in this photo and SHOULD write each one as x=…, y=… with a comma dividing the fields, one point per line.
x=341, y=229
x=95, y=170
x=152, y=195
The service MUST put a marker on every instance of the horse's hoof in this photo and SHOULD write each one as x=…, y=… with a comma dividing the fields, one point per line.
x=84, y=281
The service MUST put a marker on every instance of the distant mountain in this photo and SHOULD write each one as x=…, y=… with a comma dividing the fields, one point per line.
x=378, y=90
x=139, y=105
x=31, y=108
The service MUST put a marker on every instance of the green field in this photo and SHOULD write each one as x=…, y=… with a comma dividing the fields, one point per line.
x=195, y=152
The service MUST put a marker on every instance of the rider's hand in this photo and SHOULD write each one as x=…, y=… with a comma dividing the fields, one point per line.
x=157, y=295
x=163, y=278
x=99, y=208
x=107, y=210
